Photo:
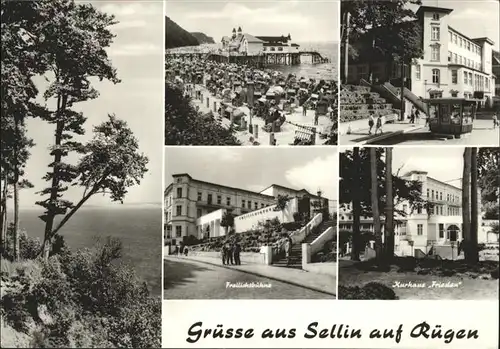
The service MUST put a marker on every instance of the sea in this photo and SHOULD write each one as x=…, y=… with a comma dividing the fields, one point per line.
x=138, y=227
x=327, y=71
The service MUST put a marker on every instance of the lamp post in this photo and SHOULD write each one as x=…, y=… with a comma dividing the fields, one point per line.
x=250, y=93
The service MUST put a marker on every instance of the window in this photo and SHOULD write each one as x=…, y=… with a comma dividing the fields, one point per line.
x=454, y=94
x=262, y=205
x=228, y=201
x=179, y=192
x=455, y=38
x=441, y=230
x=419, y=209
x=418, y=72
x=470, y=78
x=435, y=76
x=272, y=49
x=454, y=77
x=435, y=33
x=435, y=16
x=199, y=196
x=451, y=36
x=455, y=59
x=420, y=229
x=243, y=203
x=256, y=206
x=435, y=53
x=468, y=45
x=459, y=59
x=465, y=78
x=427, y=192
x=441, y=195
x=441, y=210
x=487, y=83
x=219, y=200
x=432, y=194
x=461, y=42
x=178, y=231
x=435, y=94
x=198, y=213
x=280, y=48
x=450, y=55
x=209, y=198
x=178, y=210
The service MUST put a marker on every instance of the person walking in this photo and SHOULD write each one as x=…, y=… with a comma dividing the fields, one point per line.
x=371, y=122
x=316, y=118
x=186, y=250
x=495, y=121
x=288, y=249
x=378, y=126
x=412, y=115
x=304, y=109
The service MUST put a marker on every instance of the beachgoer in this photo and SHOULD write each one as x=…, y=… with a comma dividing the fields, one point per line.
x=412, y=115
x=495, y=121
x=186, y=250
x=378, y=126
x=304, y=109
x=316, y=118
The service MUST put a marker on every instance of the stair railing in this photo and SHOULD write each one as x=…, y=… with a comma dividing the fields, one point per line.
x=300, y=235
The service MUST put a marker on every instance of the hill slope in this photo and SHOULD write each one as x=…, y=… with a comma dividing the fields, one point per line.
x=175, y=36
x=202, y=38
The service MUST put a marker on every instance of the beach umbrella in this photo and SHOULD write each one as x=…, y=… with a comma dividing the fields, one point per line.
x=278, y=90
x=270, y=93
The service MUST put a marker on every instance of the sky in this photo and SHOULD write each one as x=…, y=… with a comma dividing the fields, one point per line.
x=256, y=168
x=442, y=163
x=137, y=54
x=306, y=21
x=473, y=18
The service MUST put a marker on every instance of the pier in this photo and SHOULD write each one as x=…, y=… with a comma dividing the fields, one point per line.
x=261, y=60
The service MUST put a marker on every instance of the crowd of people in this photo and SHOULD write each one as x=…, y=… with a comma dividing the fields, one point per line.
x=274, y=93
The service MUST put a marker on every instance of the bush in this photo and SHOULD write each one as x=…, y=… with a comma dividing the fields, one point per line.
x=372, y=290
x=83, y=299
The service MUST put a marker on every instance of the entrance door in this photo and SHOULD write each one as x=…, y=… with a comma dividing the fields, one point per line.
x=453, y=232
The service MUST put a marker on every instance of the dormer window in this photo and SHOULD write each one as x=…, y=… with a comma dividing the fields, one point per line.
x=435, y=16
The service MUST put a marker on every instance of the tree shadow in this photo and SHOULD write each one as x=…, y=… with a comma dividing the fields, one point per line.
x=177, y=273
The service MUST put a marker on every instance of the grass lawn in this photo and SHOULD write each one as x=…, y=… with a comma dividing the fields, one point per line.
x=426, y=279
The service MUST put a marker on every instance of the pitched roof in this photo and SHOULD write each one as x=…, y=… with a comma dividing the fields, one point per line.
x=251, y=38
x=281, y=38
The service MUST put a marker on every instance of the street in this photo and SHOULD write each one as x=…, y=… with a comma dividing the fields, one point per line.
x=482, y=134
x=187, y=279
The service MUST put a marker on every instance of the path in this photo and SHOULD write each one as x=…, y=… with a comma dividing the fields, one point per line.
x=196, y=279
x=361, y=136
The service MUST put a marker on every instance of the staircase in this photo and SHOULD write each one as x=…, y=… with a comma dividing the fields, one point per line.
x=410, y=96
x=296, y=254
x=358, y=102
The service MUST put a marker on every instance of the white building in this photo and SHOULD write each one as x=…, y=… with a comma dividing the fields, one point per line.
x=247, y=44
x=453, y=64
x=420, y=229
x=194, y=207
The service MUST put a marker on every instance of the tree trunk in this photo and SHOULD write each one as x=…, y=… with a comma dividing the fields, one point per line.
x=375, y=209
x=346, y=47
x=402, y=115
x=16, y=191
x=3, y=217
x=474, y=253
x=356, y=209
x=49, y=223
x=466, y=204
x=389, y=206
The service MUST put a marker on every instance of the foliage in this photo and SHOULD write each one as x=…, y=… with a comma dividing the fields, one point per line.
x=227, y=220
x=178, y=37
x=488, y=165
x=281, y=202
x=185, y=126
x=372, y=290
x=86, y=299
x=75, y=38
x=403, y=189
